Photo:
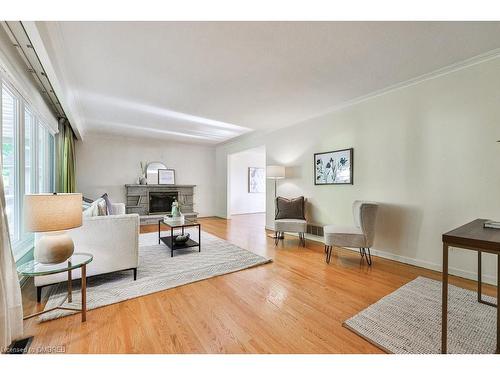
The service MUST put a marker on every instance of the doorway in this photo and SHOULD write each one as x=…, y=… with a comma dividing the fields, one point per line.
x=246, y=182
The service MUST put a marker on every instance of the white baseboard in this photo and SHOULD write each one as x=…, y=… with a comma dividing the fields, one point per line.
x=248, y=213
x=489, y=279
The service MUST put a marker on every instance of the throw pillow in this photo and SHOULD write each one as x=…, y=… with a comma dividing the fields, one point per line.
x=101, y=207
x=88, y=212
x=93, y=210
x=87, y=200
x=109, y=206
x=290, y=208
x=85, y=206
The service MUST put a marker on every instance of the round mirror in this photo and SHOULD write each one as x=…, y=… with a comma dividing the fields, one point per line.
x=152, y=171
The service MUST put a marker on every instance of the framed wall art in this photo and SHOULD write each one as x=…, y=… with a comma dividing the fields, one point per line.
x=334, y=167
x=256, y=180
x=166, y=176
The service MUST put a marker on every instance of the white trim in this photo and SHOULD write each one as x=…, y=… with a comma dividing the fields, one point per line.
x=449, y=69
x=23, y=87
x=13, y=86
x=489, y=279
x=68, y=99
x=11, y=91
x=490, y=55
x=24, y=240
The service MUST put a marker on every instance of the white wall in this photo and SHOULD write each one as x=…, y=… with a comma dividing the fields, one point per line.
x=240, y=200
x=426, y=152
x=106, y=163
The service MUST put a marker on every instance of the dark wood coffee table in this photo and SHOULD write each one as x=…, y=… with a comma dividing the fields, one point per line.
x=169, y=240
x=472, y=236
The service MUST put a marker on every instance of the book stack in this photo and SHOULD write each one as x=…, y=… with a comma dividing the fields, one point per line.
x=173, y=220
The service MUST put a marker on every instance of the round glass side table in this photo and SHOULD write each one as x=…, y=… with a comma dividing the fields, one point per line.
x=77, y=260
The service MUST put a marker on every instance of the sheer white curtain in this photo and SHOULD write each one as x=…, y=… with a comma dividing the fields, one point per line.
x=11, y=309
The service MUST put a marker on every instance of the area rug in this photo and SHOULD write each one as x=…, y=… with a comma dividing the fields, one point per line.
x=157, y=271
x=408, y=321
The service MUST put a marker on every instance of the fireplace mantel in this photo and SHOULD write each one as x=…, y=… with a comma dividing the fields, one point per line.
x=160, y=185
x=138, y=200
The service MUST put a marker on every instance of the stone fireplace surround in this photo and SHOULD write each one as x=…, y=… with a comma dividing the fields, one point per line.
x=137, y=200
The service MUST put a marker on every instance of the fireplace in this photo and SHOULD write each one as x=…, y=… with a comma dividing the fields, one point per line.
x=161, y=202
x=139, y=202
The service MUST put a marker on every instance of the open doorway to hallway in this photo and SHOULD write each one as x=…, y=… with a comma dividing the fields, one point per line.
x=246, y=182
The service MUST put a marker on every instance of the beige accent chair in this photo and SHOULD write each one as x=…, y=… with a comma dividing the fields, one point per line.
x=290, y=224
x=361, y=235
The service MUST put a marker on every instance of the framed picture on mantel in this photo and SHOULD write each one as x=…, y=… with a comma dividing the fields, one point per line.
x=166, y=176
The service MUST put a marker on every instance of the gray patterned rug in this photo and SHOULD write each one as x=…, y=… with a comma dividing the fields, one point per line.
x=408, y=321
x=157, y=271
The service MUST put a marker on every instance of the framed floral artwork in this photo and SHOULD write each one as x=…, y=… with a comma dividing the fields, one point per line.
x=334, y=167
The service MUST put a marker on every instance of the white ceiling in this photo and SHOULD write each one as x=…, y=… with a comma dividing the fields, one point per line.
x=212, y=81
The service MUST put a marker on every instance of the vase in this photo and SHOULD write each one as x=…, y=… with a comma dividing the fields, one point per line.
x=175, y=210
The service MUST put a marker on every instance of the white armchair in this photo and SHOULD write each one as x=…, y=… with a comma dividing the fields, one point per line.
x=113, y=241
x=361, y=235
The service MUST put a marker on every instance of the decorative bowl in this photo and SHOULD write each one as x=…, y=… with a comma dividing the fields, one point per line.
x=181, y=239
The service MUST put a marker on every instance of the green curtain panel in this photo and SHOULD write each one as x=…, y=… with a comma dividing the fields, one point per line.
x=65, y=162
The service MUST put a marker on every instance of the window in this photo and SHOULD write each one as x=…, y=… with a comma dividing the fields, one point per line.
x=27, y=161
x=45, y=160
x=29, y=157
x=10, y=123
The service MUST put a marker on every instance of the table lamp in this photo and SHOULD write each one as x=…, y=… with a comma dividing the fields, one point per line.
x=53, y=214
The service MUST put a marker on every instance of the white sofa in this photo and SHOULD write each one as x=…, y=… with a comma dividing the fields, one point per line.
x=113, y=241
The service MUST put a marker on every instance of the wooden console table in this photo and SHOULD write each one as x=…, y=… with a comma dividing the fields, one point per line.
x=472, y=236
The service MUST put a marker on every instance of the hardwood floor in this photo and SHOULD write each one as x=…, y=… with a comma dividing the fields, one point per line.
x=296, y=304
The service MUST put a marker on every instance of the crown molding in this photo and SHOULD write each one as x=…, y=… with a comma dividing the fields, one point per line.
x=449, y=69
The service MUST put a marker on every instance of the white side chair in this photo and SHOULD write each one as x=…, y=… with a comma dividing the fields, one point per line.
x=361, y=235
x=292, y=226
x=288, y=213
